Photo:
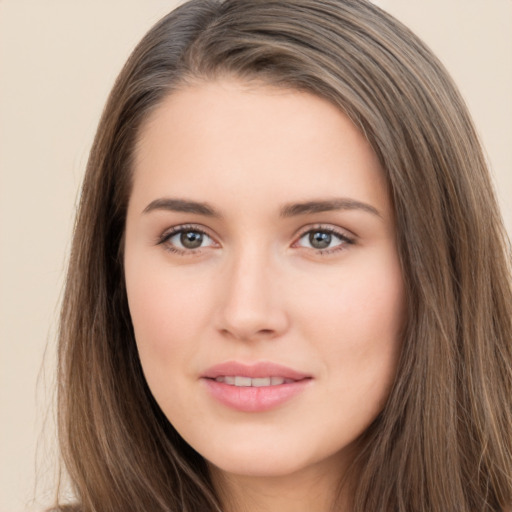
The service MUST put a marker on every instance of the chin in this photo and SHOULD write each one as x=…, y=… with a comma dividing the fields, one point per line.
x=267, y=457
x=250, y=455
x=273, y=466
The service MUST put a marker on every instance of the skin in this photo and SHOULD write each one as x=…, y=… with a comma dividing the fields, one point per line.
x=257, y=289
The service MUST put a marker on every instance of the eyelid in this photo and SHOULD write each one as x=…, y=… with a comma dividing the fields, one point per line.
x=174, y=230
x=344, y=235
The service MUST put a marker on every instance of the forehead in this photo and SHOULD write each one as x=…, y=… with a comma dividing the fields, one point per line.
x=229, y=138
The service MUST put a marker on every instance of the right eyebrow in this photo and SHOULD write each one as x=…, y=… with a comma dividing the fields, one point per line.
x=181, y=205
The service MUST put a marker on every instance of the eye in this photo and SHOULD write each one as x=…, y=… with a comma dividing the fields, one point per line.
x=323, y=239
x=185, y=239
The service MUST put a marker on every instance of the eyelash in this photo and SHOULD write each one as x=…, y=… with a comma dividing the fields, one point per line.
x=177, y=230
x=344, y=239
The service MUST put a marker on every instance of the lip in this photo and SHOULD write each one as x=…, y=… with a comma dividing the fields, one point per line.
x=254, y=399
x=256, y=370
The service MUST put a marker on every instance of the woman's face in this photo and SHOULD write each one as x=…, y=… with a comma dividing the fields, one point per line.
x=263, y=277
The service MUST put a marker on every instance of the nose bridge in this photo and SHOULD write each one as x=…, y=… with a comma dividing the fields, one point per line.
x=252, y=303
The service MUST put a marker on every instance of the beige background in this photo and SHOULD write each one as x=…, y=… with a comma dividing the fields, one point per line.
x=58, y=60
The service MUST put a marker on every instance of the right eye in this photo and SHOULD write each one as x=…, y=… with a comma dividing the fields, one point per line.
x=185, y=239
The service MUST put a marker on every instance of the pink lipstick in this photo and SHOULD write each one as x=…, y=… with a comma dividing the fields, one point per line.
x=256, y=387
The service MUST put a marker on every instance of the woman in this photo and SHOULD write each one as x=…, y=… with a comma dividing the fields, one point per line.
x=289, y=285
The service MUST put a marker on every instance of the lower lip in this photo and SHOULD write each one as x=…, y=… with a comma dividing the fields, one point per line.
x=255, y=399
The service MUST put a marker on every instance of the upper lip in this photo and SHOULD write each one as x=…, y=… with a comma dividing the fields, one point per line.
x=256, y=370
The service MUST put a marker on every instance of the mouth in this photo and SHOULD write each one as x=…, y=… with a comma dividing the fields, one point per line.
x=245, y=382
x=256, y=387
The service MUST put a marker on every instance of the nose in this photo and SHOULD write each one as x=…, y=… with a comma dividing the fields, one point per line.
x=252, y=305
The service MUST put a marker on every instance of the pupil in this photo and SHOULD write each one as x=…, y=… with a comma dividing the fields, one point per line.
x=191, y=239
x=320, y=239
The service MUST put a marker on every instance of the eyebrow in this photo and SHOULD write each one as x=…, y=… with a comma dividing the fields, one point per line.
x=291, y=210
x=288, y=210
x=181, y=205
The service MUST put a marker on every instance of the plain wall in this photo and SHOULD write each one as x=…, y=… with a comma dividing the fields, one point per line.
x=58, y=60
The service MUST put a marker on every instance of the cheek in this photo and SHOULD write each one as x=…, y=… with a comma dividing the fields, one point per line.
x=363, y=297
x=356, y=318
x=169, y=310
x=168, y=314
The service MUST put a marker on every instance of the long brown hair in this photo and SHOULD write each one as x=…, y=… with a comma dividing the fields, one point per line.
x=443, y=443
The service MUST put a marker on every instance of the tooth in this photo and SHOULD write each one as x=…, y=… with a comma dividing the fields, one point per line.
x=264, y=381
x=242, y=381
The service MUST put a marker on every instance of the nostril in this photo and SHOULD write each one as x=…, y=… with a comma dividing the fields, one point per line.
x=254, y=334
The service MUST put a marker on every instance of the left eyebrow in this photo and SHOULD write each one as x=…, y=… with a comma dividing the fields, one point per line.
x=308, y=207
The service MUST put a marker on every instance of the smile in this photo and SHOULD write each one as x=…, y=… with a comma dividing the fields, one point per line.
x=240, y=381
x=256, y=387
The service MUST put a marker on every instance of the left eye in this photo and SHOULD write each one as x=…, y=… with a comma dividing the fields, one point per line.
x=321, y=239
x=189, y=239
